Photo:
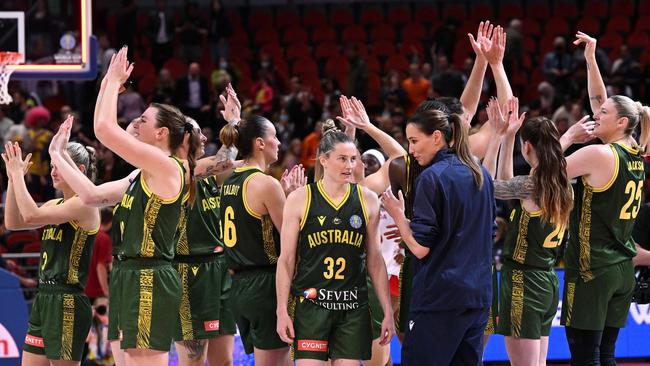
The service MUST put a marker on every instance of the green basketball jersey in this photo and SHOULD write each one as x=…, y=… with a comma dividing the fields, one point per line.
x=250, y=240
x=198, y=228
x=331, y=262
x=602, y=219
x=147, y=223
x=531, y=242
x=66, y=251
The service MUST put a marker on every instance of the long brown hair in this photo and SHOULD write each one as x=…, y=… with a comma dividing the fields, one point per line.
x=552, y=187
x=455, y=134
x=171, y=117
x=243, y=135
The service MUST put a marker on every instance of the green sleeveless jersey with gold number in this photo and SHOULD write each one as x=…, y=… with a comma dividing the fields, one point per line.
x=250, y=240
x=530, y=242
x=331, y=262
x=147, y=223
x=66, y=251
x=199, y=224
x=602, y=219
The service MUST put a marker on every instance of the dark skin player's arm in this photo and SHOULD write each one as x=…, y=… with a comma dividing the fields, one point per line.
x=397, y=175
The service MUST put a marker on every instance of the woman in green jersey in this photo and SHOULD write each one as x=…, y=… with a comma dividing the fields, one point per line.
x=529, y=290
x=61, y=315
x=145, y=288
x=251, y=204
x=330, y=231
x=599, y=279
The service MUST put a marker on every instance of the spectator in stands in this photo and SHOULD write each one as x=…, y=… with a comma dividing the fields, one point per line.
x=22, y=102
x=5, y=125
x=417, y=88
x=392, y=93
x=302, y=108
x=564, y=111
x=357, y=82
x=102, y=259
x=191, y=32
x=283, y=128
x=626, y=71
x=515, y=46
x=263, y=95
x=211, y=147
x=127, y=25
x=192, y=93
x=332, y=93
x=38, y=177
x=224, y=73
x=165, y=89
x=310, y=147
x=161, y=33
x=558, y=65
x=105, y=53
x=130, y=104
x=220, y=29
x=444, y=40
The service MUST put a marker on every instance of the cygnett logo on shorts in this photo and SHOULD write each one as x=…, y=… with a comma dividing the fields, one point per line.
x=34, y=341
x=312, y=345
x=211, y=325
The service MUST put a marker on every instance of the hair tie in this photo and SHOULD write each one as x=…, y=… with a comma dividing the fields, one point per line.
x=188, y=127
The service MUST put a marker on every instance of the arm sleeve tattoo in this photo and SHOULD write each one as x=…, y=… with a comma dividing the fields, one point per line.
x=519, y=187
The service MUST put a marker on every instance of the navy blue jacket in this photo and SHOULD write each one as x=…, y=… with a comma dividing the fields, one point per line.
x=454, y=219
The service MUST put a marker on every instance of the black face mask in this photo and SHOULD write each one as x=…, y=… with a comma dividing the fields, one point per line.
x=101, y=310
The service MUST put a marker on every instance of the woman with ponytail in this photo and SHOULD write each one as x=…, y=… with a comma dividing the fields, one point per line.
x=61, y=314
x=599, y=278
x=529, y=290
x=330, y=233
x=251, y=205
x=450, y=234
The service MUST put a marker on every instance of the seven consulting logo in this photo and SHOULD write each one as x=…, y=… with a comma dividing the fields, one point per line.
x=8, y=348
x=310, y=293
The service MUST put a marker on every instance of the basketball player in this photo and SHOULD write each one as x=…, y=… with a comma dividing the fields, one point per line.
x=330, y=226
x=61, y=314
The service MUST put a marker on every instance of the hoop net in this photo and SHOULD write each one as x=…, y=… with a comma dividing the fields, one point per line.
x=6, y=58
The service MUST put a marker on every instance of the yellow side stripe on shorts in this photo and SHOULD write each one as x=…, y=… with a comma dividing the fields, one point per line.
x=570, y=293
x=67, y=328
x=145, y=308
x=517, y=305
x=184, y=310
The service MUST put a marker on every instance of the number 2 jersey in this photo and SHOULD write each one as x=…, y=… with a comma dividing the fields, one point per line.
x=331, y=253
x=603, y=218
x=250, y=240
x=66, y=250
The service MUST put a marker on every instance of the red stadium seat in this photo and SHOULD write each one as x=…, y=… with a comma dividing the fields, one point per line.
x=337, y=64
x=314, y=18
x=530, y=46
x=623, y=8
x=589, y=25
x=642, y=25
x=295, y=34
x=260, y=19
x=454, y=11
x=353, y=34
x=411, y=48
x=481, y=11
x=341, y=17
x=287, y=19
x=373, y=64
x=234, y=17
x=610, y=41
x=176, y=67
x=143, y=68
x=264, y=36
x=326, y=50
x=382, y=32
x=511, y=10
x=304, y=66
x=18, y=239
x=147, y=85
x=241, y=52
x=323, y=34
x=538, y=10
x=298, y=50
x=618, y=24
x=396, y=62
x=426, y=14
x=383, y=49
x=530, y=27
x=274, y=50
x=596, y=9
x=414, y=32
x=399, y=15
x=644, y=7
x=557, y=27
x=238, y=37
x=371, y=16
x=566, y=9
x=638, y=40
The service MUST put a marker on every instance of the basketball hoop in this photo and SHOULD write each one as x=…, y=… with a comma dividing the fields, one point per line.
x=6, y=58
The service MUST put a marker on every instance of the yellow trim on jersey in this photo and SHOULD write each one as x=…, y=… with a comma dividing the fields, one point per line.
x=407, y=190
x=614, y=176
x=245, y=168
x=75, y=225
x=631, y=150
x=363, y=204
x=166, y=201
x=537, y=213
x=319, y=184
x=307, y=204
x=243, y=197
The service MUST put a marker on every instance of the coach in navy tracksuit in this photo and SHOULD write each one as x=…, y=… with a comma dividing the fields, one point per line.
x=451, y=234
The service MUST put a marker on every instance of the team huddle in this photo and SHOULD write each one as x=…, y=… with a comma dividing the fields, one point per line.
x=206, y=246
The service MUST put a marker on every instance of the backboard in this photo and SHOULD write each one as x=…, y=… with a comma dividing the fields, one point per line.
x=54, y=37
